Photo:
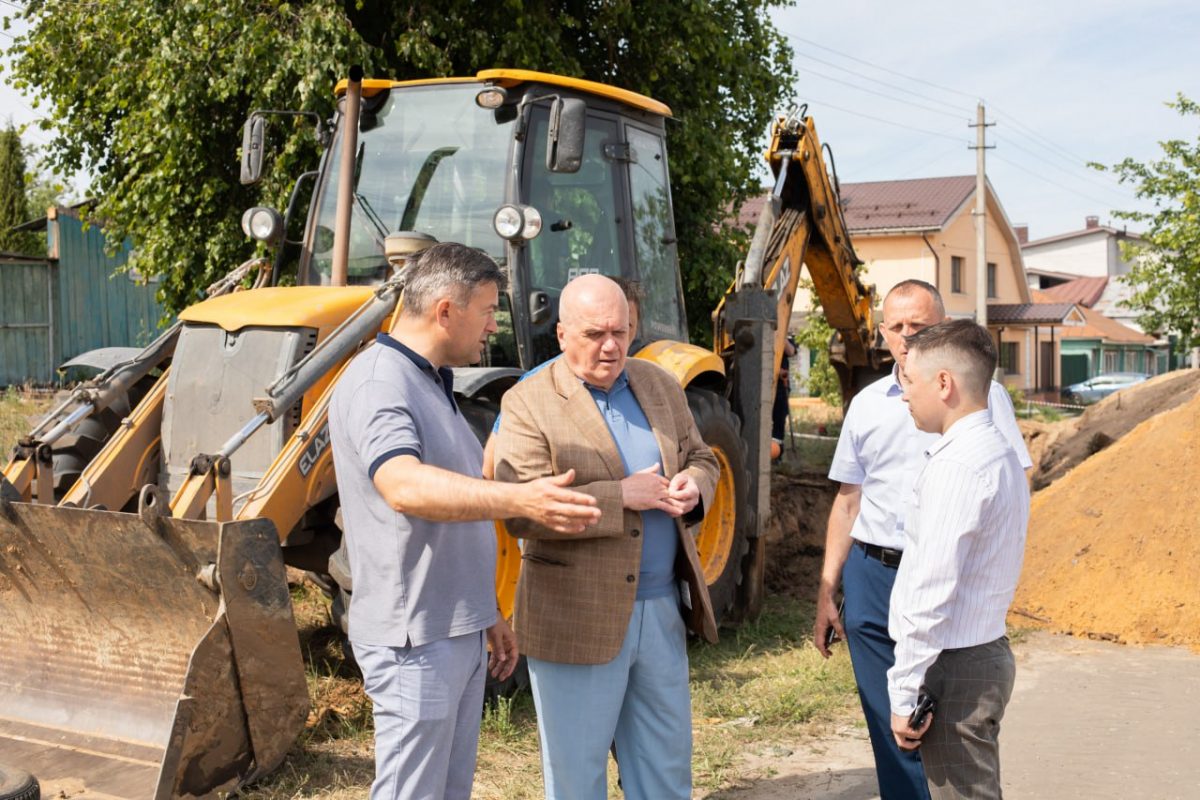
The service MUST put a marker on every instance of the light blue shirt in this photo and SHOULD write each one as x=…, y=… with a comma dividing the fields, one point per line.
x=530, y=374
x=881, y=450
x=639, y=449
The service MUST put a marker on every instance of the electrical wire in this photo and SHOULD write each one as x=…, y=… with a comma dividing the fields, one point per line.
x=880, y=67
x=1044, y=179
x=1099, y=185
x=1036, y=138
x=814, y=102
x=930, y=98
x=960, y=115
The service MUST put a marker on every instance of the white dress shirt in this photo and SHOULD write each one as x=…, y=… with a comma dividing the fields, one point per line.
x=966, y=541
x=881, y=450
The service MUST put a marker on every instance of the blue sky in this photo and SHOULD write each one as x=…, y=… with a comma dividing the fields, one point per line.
x=1067, y=83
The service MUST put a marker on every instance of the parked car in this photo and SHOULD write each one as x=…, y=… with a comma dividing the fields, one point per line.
x=1100, y=387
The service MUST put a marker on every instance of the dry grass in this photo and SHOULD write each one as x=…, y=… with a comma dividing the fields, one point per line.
x=761, y=685
x=19, y=409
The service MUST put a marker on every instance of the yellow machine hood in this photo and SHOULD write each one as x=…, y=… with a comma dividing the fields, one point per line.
x=320, y=307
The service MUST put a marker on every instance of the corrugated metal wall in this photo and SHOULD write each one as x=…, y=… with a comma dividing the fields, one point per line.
x=91, y=305
x=25, y=343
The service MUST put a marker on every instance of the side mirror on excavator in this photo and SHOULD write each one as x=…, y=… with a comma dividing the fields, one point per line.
x=564, y=142
x=252, y=149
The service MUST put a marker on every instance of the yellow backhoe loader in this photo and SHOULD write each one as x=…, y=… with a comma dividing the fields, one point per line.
x=148, y=648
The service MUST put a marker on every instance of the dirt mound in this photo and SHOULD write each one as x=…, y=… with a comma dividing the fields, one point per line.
x=796, y=533
x=1114, y=546
x=1109, y=420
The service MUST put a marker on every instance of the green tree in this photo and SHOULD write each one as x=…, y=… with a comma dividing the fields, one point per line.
x=815, y=336
x=14, y=207
x=168, y=85
x=1165, y=272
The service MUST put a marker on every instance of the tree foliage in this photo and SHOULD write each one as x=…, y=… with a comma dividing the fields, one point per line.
x=1165, y=276
x=14, y=207
x=815, y=336
x=151, y=96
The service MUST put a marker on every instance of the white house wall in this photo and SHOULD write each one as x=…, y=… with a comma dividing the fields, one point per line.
x=1086, y=256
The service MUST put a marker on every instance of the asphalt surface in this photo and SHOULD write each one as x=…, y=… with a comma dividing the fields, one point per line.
x=1087, y=720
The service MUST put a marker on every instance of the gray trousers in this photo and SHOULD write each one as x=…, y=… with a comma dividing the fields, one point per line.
x=427, y=704
x=961, y=749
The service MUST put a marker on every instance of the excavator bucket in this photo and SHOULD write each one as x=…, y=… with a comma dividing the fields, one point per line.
x=143, y=656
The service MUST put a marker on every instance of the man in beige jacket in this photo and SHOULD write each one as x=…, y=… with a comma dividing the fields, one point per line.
x=600, y=615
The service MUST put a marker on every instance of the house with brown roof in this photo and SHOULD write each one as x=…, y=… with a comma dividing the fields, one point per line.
x=1102, y=344
x=1092, y=253
x=925, y=228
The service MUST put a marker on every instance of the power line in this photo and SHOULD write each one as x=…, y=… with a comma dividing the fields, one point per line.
x=1045, y=143
x=1044, y=179
x=960, y=115
x=879, y=67
x=1049, y=144
x=873, y=80
x=885, y=121
x=1050, y=163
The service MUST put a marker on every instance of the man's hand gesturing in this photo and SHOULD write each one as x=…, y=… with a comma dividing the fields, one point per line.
x=683, y=493
x=645, y=490
x=548, y=502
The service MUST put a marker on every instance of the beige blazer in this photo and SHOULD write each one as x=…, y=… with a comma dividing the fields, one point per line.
x=576, y=591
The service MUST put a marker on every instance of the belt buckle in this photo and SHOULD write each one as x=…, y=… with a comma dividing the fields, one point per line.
x=890, y=558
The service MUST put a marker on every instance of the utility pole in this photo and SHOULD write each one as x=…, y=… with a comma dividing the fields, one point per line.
x=980, y=214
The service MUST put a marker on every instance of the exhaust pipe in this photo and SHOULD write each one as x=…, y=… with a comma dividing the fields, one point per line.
x=345, y=196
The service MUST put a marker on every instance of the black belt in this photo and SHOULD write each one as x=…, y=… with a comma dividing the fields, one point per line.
x=884, y=555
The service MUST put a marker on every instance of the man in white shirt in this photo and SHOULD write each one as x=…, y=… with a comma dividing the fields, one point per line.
x=880, y=453
x=966, y=541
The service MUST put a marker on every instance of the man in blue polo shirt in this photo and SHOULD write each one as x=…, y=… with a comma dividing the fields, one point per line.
x=421, y=544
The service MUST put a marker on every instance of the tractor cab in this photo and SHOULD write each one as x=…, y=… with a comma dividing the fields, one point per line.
x=553, y=177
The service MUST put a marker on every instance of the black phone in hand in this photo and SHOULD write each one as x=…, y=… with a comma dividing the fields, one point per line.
x=925, y=706
x=831, y=634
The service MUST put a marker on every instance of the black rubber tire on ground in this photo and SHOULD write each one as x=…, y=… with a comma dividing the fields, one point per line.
x=75, y=451
x=339, y=610
x=722, y=430
x=18, y=785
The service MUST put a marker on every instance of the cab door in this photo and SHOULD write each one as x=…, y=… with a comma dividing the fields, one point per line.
x=584, y=224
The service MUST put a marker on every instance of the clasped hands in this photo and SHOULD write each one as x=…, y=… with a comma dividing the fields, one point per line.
x=646, y=490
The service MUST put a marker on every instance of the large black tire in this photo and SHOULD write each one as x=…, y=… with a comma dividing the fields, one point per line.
x=722, y=539
x=75, y=451
x=18, y=785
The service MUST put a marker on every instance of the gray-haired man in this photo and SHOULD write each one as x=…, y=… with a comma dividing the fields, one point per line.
x=418, y=527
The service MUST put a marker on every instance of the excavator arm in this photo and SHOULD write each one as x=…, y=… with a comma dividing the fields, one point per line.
x=801, y=224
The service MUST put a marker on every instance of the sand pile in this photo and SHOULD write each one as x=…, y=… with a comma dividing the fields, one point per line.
x=1114, y=545
x=1064, y=445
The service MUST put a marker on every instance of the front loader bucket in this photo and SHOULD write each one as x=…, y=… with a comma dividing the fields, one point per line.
x=143, y=656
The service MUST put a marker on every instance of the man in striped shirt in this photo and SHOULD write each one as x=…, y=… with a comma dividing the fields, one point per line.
x=879, y=454
x=966, y=540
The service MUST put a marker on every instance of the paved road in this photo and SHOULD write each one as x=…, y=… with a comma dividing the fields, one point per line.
x=1087, y=720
